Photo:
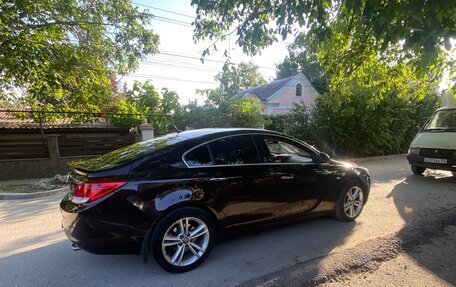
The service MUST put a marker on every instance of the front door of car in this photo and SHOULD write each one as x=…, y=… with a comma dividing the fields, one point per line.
x=288, y=178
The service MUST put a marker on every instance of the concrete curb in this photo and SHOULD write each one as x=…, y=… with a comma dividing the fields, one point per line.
x=33, y=194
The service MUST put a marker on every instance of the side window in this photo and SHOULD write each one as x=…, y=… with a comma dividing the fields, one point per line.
x=298, y=90
x=281, y=151
x=198, y=157
x=234, y=150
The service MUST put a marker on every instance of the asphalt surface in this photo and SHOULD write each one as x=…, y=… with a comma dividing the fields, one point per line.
x=404, y=211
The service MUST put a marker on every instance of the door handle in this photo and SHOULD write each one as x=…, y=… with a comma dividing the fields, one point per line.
x=218, y=178
x=282, y=175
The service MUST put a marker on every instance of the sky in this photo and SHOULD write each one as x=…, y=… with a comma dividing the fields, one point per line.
x=177, y=66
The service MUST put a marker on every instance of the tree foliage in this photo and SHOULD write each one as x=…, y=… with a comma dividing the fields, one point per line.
x=234, y=79
x=372, y=105
x=372, y=111
x=245, y=113
x=219, y=110
x=63, y=54
x=302, y=59
x=144, y=102
x=420, y=28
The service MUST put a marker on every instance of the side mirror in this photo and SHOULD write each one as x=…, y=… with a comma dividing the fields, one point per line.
x=324, y=157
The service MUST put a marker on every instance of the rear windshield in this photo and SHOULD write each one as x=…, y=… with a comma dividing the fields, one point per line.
x=126, y=154
x=443, y=120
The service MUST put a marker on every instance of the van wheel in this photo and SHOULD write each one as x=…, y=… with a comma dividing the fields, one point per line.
x=418, y=169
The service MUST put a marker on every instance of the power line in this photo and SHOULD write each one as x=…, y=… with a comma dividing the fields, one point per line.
x=201, y=68
x=208, y=60
x=173, y=20
x=170, y=22
x=152, y=77
x=165, y=59
x=164, y=10
x=177, y=54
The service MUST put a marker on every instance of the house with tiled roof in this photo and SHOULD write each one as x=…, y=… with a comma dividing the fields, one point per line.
x=279, y=96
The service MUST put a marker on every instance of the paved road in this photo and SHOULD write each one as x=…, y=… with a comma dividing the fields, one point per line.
x=34, y=251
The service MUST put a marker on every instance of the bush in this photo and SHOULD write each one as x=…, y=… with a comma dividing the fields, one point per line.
x=355, y=126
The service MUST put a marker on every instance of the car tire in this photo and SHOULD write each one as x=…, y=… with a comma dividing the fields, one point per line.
x=419, y=170
x=351, y=202
x=182, y=239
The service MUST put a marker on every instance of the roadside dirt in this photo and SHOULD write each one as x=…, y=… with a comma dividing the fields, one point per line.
x=33, y=185
x=406, y=269
x=421, y=254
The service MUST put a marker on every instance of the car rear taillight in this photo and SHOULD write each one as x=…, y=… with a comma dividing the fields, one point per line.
x=89, y=191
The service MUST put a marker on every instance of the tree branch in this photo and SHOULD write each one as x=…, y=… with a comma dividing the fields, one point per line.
x=55, y=23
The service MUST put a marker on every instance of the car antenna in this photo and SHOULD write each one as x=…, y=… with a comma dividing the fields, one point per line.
x=177, y=130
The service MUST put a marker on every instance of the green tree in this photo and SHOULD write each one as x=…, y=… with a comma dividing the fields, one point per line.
x=196, y=117
x=372, y=111
x=245, y=113
x=299, y=122
x=234, y=79
x=420, y=28
x=62, y=54
x=302, y=59
x=219, y=110
x=143, y=101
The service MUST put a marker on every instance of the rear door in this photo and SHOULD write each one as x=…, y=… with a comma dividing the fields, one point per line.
x=228, y=176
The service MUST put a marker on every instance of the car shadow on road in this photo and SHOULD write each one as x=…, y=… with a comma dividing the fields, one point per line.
x=241, y=258
x=428, y=206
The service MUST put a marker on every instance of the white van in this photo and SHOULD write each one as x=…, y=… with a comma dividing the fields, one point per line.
x=435, y=144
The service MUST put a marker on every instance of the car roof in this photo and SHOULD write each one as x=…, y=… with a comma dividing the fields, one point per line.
x=445, y=108
x=209, y=132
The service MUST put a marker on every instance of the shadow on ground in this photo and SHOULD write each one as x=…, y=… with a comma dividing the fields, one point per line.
x=428, y=205
x=232, y=261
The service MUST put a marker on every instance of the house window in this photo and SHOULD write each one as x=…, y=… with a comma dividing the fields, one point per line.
x=298, y=90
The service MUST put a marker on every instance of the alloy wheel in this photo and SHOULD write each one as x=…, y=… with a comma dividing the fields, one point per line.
x=185, y=241
x=353, y=201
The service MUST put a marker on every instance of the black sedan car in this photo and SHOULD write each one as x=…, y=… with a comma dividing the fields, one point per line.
x=172, y=196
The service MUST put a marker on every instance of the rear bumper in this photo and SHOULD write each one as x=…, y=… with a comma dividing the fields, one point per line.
x=418, y=160
x=100, y=232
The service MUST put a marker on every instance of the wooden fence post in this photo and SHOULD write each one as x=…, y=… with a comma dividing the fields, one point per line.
x=53, y=146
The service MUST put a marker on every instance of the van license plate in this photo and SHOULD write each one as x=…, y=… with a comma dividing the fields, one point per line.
x=435, y=160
